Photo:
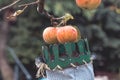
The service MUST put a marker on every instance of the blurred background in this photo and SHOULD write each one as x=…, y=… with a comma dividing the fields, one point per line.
x=21, y=37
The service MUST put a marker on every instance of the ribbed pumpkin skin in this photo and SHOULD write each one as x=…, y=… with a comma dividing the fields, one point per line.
x=67, y=34
x=88, y=4
x=50, y=35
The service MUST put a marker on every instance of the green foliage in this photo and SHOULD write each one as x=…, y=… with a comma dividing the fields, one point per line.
x=26, y=36
x=4, y=2
x=60, y=7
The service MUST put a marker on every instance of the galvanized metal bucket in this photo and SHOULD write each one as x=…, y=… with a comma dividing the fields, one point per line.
x=83, y=72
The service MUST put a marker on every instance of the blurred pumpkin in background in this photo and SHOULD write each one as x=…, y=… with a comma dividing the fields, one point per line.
x=88, y=4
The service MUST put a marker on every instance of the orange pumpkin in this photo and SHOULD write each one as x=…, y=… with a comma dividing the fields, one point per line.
x=88, y=4
x=67, y=34
x=50, y=35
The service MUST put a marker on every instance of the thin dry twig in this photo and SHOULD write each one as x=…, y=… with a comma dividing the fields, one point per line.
x=41, y=10
x=73, y=65
x=40, y=6
x=58, y=68
x=41, y=70
x=9, y=5
x=32, y=3
x=17, y=13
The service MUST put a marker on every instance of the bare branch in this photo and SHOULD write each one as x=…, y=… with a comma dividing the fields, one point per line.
x=9, y=5
x=32, y=3
x=40, y=6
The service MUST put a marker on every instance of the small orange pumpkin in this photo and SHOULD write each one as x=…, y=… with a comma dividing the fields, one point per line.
x=88, y=4
x=67, y=34
x=50, y=35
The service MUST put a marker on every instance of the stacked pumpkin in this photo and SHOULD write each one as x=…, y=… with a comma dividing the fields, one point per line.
x=62, y=35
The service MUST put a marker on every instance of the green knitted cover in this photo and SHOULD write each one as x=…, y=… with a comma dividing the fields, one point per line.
x=65, y=54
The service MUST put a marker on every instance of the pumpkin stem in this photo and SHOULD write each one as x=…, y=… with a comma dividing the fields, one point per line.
x=65, y=18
